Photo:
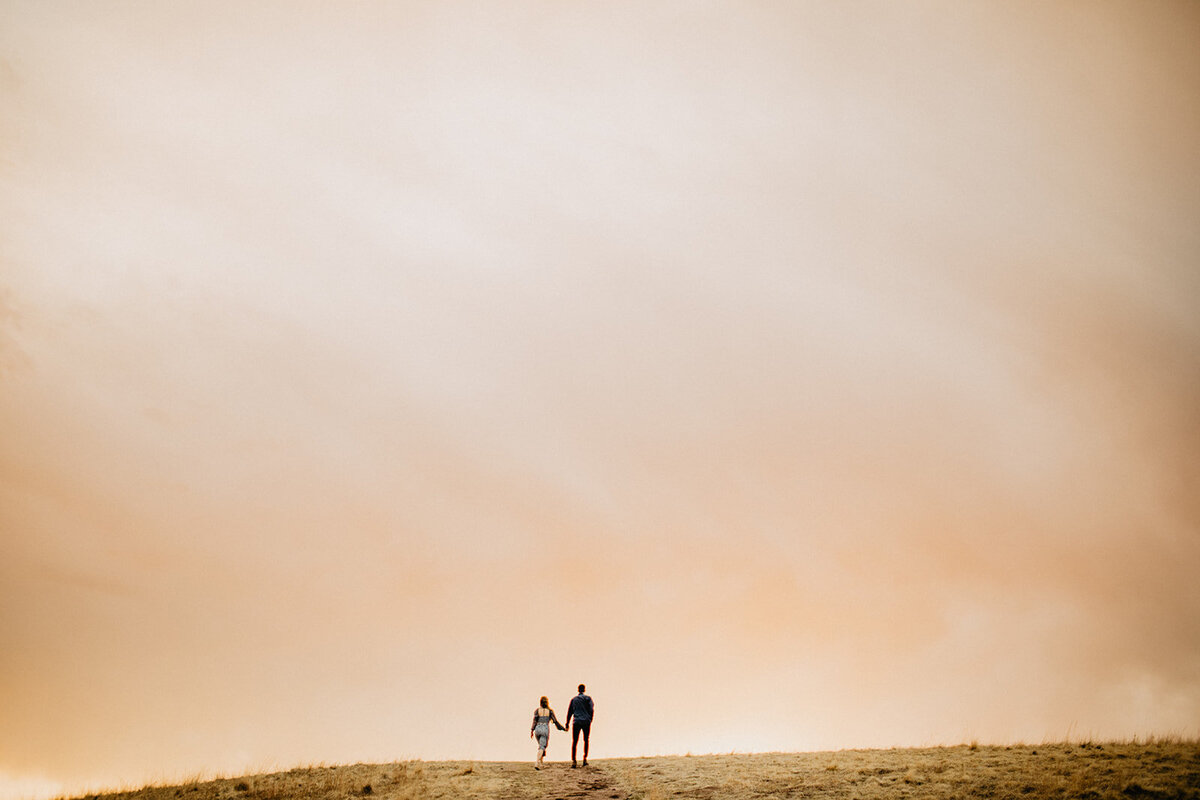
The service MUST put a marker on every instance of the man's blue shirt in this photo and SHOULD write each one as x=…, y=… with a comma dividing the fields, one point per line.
x=581, y=708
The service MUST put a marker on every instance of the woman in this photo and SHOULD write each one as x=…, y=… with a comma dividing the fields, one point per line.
x=542, y=717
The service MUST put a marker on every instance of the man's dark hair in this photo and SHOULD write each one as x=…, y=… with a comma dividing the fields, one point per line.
x=582, y=687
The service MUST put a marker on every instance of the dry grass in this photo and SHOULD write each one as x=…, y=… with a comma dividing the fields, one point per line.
x=1086, y=771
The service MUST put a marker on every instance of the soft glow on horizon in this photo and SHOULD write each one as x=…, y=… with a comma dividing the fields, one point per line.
x=798, y=376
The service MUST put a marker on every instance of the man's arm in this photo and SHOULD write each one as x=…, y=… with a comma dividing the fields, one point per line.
x=570, y=711
x=592, y=707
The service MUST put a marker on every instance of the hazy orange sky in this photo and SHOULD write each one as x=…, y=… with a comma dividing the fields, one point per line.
x=797, y=375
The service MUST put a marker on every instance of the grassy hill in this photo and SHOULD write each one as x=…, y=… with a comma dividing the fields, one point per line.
x=1089, y=771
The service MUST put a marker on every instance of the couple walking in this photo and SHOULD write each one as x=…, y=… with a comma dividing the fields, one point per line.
x=581, y=709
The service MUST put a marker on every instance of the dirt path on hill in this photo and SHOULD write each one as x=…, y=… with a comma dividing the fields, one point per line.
x=557, y=781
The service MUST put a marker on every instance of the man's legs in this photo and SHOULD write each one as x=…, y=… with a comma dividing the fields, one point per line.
x=575, y=742
x=587, y=734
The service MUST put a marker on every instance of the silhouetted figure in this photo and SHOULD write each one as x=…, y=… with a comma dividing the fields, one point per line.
x=582, y=709
x=543, y=715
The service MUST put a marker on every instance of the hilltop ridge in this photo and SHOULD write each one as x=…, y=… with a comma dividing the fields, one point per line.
x=1087, y=771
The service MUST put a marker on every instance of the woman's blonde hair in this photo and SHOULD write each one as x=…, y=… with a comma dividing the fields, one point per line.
x=545, y=702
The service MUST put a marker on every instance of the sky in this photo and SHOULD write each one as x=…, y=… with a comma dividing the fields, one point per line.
x=796, y=375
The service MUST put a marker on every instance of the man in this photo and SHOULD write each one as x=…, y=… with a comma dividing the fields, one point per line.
x=582, y=709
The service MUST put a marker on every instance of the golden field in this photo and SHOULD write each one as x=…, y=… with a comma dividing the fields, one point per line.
x=1155, y=769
